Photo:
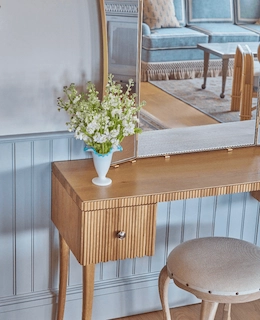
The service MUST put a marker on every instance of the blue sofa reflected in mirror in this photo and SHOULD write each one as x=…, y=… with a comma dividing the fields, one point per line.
x=172, y=53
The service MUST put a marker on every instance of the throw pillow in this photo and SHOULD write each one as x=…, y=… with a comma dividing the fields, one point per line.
x=159, y=14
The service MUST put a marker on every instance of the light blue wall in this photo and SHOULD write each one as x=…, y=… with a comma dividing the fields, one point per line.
x=45, y=45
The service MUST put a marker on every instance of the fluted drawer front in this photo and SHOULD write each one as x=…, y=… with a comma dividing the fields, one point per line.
x=119, y=233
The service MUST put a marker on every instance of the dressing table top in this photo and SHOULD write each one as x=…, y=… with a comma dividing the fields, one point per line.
x=152, y=180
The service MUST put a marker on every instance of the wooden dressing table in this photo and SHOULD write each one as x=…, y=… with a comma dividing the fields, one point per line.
x=99, y=224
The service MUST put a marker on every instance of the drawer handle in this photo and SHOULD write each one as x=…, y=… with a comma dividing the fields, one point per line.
x=121, y=235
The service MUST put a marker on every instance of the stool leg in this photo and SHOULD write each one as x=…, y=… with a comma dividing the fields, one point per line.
x=227, y=311
x=163, y=292
x=208, y=310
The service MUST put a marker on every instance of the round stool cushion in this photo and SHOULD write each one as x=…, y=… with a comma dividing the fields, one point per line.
x=216, y=265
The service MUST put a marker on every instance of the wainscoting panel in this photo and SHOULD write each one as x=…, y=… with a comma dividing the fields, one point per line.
x=29, y=242
x=23, y=191
x=7, y=232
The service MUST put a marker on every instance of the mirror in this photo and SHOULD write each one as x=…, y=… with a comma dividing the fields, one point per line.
x=124, y=25
x=122, y=54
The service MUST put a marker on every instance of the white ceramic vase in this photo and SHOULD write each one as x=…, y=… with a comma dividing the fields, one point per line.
x=102, y=163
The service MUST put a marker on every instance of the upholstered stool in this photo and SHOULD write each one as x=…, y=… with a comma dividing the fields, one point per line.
x=214, y=269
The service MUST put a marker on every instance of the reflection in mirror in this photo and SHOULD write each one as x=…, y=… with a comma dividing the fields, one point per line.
x=169, y=125
x=122, y=34
x=104, y=44
x=123, y=53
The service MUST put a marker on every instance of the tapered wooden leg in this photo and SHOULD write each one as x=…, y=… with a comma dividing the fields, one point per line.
x=224, y=76
x=163, y=292
x=208, y=310
x=227, y=312
x=206, y=66
x=64, y=259
x=88, y=291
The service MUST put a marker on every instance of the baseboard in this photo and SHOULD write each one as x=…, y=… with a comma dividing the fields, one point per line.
x=118, y=297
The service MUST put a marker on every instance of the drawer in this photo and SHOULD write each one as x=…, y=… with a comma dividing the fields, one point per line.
x=119, y=233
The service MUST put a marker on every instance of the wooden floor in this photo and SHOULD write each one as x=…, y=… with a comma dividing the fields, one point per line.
x=172, y=112
x=243, y=311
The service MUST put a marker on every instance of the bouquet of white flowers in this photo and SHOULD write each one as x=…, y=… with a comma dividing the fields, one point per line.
x=102, y=125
